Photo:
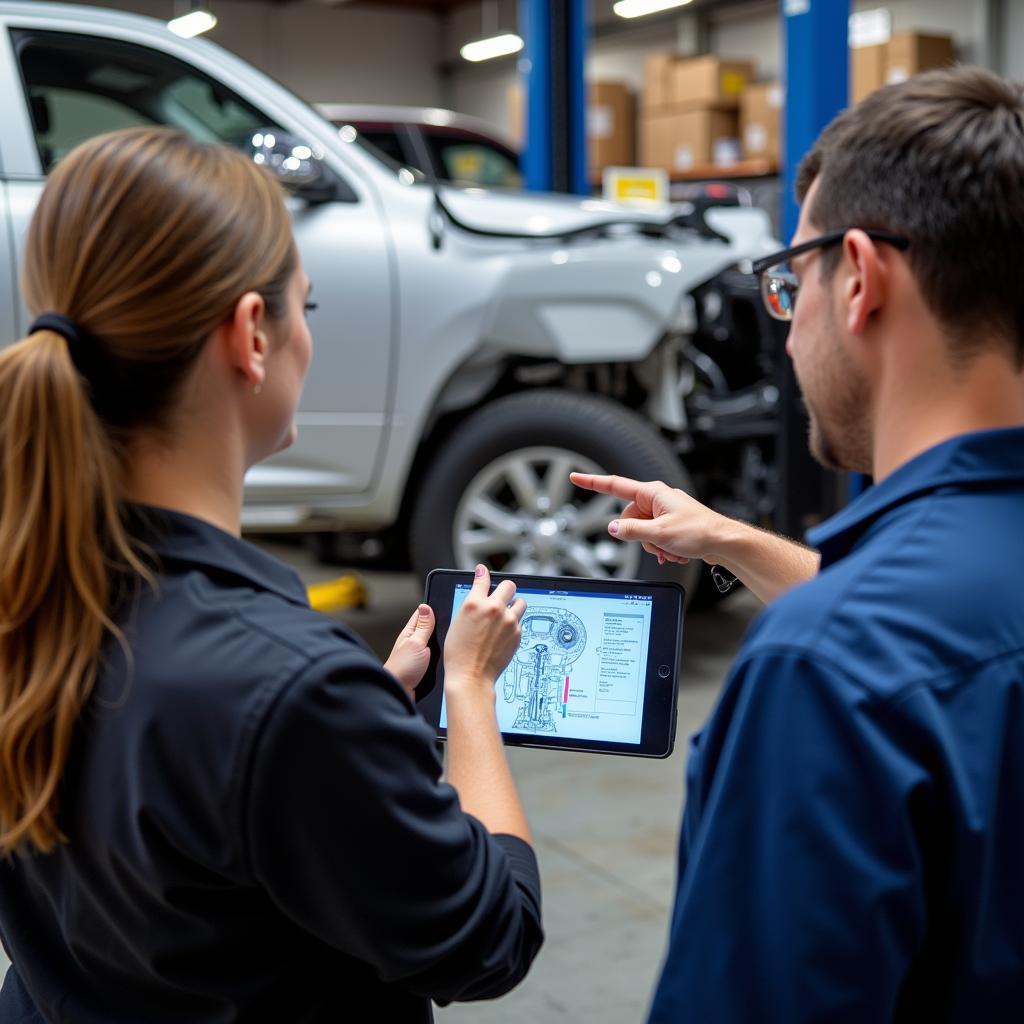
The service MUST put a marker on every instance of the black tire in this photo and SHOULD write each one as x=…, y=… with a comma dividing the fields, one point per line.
x=600, y=430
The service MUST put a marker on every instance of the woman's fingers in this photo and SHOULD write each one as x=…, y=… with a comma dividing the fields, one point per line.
x=504, y=592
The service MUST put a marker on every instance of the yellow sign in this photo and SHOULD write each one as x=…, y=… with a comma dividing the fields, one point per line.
x=636, y=186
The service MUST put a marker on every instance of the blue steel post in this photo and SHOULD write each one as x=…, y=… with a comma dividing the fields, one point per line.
x=816, y=76
x=816, y=80
x=535, y=76
x=552, y=74
x=577, y=47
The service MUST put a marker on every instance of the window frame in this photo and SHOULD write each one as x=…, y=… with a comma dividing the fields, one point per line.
x=23, y=35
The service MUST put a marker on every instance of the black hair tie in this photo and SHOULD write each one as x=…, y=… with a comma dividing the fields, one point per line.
x=90, y=360
x=59, y=324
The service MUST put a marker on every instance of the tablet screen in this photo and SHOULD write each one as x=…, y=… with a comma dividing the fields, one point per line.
x=596, y=668
x=580, y=670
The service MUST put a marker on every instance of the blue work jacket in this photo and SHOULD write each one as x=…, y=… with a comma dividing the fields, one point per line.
x=852, y=846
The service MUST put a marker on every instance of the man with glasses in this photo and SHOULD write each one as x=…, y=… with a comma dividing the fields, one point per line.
x=852, y=845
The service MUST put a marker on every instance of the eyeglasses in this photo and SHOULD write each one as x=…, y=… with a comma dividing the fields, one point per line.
x=779, y=285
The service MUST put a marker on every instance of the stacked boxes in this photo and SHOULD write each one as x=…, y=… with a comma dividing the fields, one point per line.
x=611, y=124
x=760, y=122
x=611, y=127
x=690, y=111
x=905, y=54
x=867, y=70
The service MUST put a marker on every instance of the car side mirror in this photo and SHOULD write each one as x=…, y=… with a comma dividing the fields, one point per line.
x=296, y=164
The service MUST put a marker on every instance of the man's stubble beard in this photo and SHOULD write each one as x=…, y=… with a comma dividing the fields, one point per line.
x=839, y=432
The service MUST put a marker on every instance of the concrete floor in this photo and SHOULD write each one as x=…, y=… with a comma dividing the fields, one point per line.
x=605, y=830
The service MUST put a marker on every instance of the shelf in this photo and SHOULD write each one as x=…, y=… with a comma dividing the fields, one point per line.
x=713, y=172
x=742, y=169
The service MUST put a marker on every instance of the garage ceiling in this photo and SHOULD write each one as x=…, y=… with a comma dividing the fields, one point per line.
x=439, y=6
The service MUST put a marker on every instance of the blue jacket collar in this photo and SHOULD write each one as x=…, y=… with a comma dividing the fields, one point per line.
x=965, y=461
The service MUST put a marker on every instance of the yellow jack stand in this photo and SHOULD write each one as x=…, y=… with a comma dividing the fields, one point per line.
x=334, y=595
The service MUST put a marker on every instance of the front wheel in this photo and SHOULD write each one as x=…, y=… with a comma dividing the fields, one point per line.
x=499, y=491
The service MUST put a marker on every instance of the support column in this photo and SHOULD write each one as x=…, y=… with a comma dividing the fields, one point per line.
x=816, y=81
x=554, y=93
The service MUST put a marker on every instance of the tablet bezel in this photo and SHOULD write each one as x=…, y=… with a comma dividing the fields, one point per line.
x=658, y=728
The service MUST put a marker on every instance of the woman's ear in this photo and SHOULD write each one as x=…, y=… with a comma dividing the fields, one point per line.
x=243, y=338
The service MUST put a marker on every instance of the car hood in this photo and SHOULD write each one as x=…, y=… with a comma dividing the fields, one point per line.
x=541, y=213
x=547, y=213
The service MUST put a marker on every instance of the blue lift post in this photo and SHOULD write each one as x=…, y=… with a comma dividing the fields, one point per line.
x=816, y=78
x=552, y=72
x=815, y=39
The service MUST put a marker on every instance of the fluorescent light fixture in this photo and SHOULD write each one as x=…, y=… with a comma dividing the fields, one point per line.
x=496, y=46
x=638, y=8
x=192, y=24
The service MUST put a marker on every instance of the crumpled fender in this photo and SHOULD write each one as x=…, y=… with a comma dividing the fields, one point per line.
x=611, y=300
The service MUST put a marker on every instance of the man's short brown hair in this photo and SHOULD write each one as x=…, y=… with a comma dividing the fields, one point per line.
x=940, y=159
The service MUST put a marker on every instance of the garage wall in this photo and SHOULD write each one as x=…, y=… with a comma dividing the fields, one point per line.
x=746, y=31
x=478, y=89
x=1012, y=39
x=754, y=31
x=327, y=53
x=621, y=57
x=385, y=55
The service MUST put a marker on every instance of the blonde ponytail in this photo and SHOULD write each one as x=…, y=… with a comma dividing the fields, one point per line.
x=147, y=310
x=60, y=534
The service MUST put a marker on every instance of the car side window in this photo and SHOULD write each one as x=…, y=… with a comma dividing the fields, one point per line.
x=472, y=161
x=387, y=142
x=79, y=86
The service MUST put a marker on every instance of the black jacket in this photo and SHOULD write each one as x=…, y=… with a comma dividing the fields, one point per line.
x=256, y=825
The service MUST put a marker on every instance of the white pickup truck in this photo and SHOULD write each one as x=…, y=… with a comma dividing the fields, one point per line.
x=471, y=346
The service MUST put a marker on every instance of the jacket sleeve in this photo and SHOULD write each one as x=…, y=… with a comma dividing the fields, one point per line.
x=800, y=895
x=356, y=839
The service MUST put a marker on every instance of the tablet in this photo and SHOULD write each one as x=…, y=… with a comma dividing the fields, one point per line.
x=596, y=668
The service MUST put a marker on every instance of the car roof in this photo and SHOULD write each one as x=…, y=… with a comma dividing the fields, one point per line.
x=435, y=116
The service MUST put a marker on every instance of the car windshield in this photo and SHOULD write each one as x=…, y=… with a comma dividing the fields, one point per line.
x=382, y=147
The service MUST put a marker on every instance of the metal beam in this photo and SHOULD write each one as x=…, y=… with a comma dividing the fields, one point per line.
x=551, y=69
x=816, y=78
x=815, y=39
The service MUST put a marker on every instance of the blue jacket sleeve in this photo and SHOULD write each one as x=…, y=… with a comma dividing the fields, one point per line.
x=800, y=895
x=354, y=836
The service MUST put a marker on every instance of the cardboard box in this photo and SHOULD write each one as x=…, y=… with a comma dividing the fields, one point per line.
x=680, y=140
x=710, y=81
x=867, y=70
x=760, y=121
x=611, y=126
x=516, y=108
x=908, y=53
x=658, y=79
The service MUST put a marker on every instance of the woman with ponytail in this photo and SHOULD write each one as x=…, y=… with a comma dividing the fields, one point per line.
x=215, y=804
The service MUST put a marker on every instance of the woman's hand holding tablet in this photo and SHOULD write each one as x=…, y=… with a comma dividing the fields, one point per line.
x=595, y=669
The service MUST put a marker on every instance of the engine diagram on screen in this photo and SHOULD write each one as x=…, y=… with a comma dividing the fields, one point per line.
x=552, y=640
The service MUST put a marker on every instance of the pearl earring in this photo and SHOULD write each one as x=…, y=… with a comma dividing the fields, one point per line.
x=258, y=389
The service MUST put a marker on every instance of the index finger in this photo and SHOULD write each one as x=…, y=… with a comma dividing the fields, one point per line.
x=481, y=581
x=619, y=486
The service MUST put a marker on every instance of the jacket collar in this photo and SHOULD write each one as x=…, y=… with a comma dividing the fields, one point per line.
x=182, y=539
x=964, y=462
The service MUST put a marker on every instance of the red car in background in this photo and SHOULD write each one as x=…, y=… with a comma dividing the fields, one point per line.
x=440, y=144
